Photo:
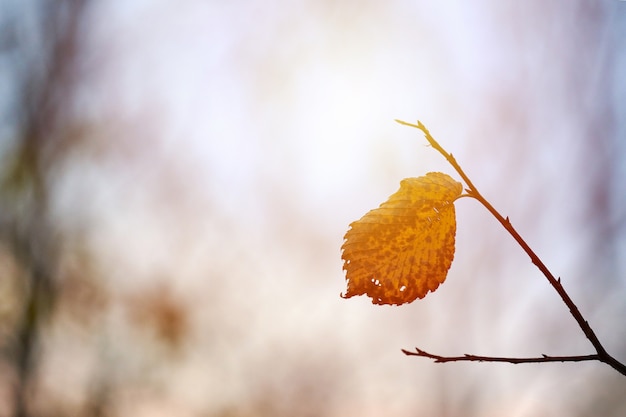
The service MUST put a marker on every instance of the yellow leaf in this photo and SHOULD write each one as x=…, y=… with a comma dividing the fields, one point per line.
x=403, y=249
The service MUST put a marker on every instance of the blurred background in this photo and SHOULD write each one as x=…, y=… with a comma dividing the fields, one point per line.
x=176, y=179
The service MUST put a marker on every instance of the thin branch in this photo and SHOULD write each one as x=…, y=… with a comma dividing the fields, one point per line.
x=476, y=358
x=602, y=354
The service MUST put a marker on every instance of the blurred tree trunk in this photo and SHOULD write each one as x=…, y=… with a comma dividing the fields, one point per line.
x=43, y=41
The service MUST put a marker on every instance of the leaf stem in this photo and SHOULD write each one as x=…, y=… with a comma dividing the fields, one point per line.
x=602, y=354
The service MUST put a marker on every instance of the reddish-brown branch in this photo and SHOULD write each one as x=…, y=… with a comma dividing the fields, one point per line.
x=476, y=358
x=602, y=355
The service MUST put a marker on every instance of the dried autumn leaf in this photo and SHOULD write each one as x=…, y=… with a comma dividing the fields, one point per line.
x=403, y=249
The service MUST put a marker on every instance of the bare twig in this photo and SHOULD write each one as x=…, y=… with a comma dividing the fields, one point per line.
x=476, y=358
x=602, y=355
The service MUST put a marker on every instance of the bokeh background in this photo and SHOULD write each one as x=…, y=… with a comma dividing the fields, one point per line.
x=177, y=177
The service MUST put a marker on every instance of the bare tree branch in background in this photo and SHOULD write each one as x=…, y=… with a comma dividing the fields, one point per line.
x=44, y=67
